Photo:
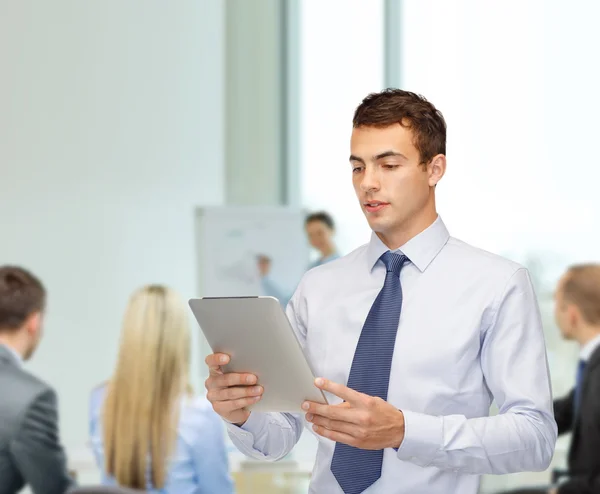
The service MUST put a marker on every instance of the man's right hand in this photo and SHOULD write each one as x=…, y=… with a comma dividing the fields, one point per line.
x=264, y=265
x=230, y=393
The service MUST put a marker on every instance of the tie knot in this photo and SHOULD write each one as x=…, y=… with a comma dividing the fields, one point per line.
x=393, y=261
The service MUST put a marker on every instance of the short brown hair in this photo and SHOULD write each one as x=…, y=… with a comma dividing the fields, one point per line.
x=582, y=288
x=21, y=294
x=321, y=216
x=412, y=111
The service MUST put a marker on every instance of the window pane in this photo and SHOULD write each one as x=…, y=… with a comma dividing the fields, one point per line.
x=341, y=62
x=517, y=85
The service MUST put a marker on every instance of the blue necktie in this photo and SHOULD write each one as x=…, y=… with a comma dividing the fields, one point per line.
x=356, y=469
x=578, y=388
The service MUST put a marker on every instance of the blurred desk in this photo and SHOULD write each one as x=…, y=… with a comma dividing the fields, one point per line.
x=286, y=476
x=250, y=476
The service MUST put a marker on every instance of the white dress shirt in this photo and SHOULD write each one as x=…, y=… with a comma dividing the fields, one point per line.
x=586, y=350
x=469, y=333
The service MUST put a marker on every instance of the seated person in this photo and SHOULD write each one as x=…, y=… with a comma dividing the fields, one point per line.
x=577, y=311
x=147, y=429
x=320, y=230
x=30, y=449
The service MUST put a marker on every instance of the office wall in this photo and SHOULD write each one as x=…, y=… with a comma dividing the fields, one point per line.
x=110, y=134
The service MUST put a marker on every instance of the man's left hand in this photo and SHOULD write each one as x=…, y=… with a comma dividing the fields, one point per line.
x=362, y=421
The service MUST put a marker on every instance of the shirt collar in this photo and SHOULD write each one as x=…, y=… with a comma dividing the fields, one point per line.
x=589, y=348
x=12, y=353
x=421, y=249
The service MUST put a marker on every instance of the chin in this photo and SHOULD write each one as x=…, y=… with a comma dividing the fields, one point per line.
x=377, y=223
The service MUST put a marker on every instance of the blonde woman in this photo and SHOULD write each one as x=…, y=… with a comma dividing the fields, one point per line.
x=147, y=430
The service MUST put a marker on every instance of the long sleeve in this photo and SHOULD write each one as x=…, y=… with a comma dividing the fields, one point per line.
x=267, y=436
x=210, y=457
x=563, y=413
x=271, y=436
x=96, y=439
x=36, y=449
x=513, y=359
x=271, y=289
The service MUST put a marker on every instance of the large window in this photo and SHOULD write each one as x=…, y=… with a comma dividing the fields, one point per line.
x=342, y=60
x=517, y=85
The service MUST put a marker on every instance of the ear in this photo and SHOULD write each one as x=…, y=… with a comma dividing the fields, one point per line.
x=436, y=169
x=34, y=323
x=573, y=316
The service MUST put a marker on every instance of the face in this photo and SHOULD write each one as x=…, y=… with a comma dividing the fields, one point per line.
x=393, y=188
x=564, y=313
x=34, y=327
x=319, y=235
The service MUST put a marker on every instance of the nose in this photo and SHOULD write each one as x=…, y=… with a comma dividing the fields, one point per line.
x=370, y=180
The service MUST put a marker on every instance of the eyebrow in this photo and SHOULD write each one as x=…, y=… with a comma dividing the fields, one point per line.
x=385, y=154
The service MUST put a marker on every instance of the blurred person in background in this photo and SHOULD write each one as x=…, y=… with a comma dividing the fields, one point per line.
x=148, y=431
x=30, y=450
x=320, y=230
x=577, y=314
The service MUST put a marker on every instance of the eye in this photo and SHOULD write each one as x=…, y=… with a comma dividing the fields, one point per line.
x=357, y=169
x=390, y=167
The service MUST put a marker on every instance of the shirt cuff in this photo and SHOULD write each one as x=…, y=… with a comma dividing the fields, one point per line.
x=423, y=437
x=255, y=424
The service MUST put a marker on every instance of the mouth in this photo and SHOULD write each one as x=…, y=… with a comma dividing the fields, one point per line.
x=374, y=206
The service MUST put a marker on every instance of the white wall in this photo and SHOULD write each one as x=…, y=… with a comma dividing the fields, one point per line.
x=110, y=135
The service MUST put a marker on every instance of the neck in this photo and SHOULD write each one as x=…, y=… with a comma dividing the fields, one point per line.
x=395, y=240
x=587, y=334
x=12, y=343
x=327, y=251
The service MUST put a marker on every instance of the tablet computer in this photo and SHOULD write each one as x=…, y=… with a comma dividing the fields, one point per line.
x=256, y=334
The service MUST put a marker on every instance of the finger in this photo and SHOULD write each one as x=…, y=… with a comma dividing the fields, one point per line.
x=344, y=412
x=234, y=393
x=333, y=425
x=343, y=406
x=216, y=360
x=231, y=379
x=338, y=437
x=233, y=405
x=329, y=411
x=340, y=391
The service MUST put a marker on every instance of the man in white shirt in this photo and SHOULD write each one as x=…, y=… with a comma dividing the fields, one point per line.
x=413, y=335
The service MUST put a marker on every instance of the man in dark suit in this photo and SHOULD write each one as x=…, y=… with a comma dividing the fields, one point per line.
x=30, y=450
x=577, y=313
